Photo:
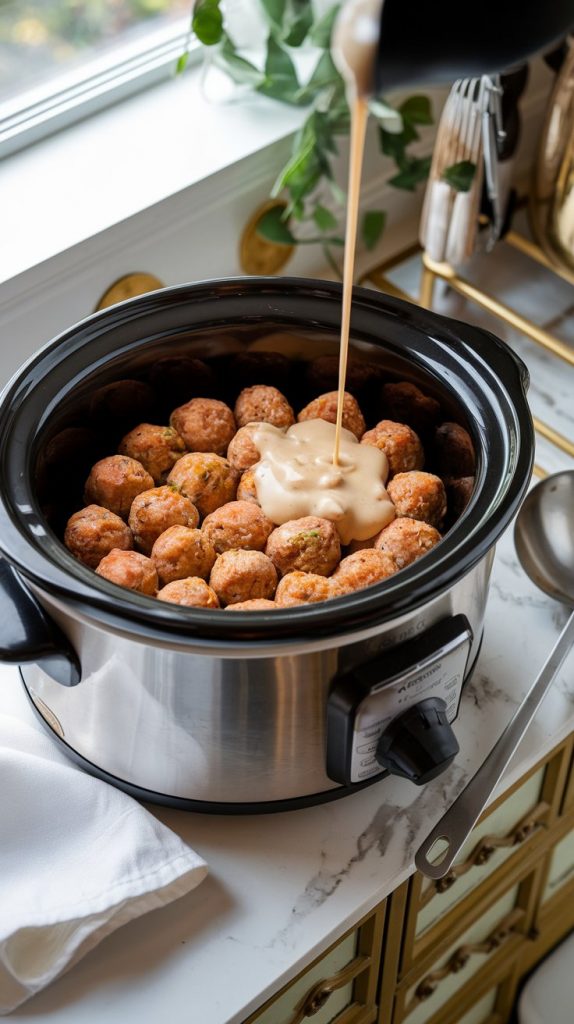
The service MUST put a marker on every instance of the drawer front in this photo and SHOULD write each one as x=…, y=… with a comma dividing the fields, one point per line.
x=492, y=842
x=340, y=986
x=561, y=869
x=421, y=1000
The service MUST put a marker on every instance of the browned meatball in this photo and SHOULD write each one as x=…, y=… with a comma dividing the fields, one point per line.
x=322, y=374
x=243, y=576
x=309, y=544
x=153, y=511
x=93, y=532
x=205, y=424
x=206, y=479
x=192, y=592
x=242, y=452
x=157, y=448
x=271, y=368
x=419, y=496
x=363, y=568
x=257, y=604
x=123, y=402
x=406, y=540
x=458, y=494
x=239, y=524
x=129, y=569
x=305, y=588
x=180, y=551
x=246, y=490
x=404, y=402
x=114, y=483
x=262, y=404
x=399, y=443
x=454, y=451
x=325, y=408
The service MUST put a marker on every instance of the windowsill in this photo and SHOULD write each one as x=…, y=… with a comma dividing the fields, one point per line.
x=120, y=162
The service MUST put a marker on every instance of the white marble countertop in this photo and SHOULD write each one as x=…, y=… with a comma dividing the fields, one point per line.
x=283, y=887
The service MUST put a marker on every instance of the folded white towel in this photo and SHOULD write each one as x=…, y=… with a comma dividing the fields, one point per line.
x=78, y=859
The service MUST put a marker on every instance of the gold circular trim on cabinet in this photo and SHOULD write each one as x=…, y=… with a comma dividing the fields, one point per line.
x=128, y=287
x=256, y=254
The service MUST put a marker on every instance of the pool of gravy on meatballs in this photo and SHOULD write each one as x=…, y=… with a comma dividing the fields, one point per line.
x=240, y=506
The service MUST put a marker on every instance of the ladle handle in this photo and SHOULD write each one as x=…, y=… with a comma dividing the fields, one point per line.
x=459, y=820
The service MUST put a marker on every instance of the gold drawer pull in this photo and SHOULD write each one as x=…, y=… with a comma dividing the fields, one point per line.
x=323, y=990
x=462, y=955
x=485, y=848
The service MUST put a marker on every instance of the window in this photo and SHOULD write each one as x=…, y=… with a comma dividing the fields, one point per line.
x=63, y=59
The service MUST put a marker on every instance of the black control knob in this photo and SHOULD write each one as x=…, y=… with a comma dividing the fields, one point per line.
x=419, y=744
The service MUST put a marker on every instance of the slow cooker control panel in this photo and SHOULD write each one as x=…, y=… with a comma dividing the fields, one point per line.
x=393, y=714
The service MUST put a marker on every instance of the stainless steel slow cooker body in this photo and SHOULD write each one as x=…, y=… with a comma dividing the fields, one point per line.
x=249, y=711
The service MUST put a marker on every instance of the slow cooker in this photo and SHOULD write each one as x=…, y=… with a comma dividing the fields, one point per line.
x=252, y=711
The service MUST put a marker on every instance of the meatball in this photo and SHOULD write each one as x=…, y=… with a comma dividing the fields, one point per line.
x=182, y=378
x=206, y=425
x=243, y=576
x=322, y=374
x=419, y=496
x=239, y=524
x=454, y=451
x=129, y=569
x=404, y=402
x=305, y=588
x=263, y=404
x=246, y=490
x=153, y=511
x=458, y=494
x=93, y=532
x=181, y=551
x=406, y=540
x=157, y=448
x=309, y=544
x=124, y=402
x=325, y=408
x=115, y=482
x=256, y=604
x=242, y=452
x=270, y=368
x=206, y=479
x=363, y=568
x=399, y=443
x=192, y=592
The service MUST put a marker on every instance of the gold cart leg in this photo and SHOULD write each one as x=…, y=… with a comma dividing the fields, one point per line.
x=428, y=280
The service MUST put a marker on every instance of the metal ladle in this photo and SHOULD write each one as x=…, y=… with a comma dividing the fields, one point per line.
x=544, y=538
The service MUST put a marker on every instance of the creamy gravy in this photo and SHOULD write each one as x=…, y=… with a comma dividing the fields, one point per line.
x=296, y=477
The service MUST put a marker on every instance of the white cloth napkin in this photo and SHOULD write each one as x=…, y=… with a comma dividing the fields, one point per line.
x=78, y=859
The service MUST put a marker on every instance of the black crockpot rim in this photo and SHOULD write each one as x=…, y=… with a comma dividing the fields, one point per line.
x=457, y=554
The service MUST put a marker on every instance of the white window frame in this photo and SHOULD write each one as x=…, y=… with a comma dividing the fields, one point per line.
x=68, y=97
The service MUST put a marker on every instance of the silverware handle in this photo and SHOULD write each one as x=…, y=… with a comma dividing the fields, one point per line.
x=460, y=818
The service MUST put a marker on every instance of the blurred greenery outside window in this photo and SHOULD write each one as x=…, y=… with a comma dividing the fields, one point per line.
x=61, y=59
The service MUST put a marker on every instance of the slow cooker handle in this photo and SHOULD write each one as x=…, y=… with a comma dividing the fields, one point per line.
x=28, y=634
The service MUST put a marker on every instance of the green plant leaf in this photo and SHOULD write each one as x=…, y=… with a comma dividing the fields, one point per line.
x=324, y=74
x=181, y=63
x=417, y=110
x=296, y=22
x=239, y=70
x=394, y=144
x=280, y=82
x=274, y=9
x=207, y=22
x=460, y=176
x=412, y=172
x=324, y=219
x=393, y=121
x=372, y=227
x=273, y=228
x=321, y=31
x=332, y=262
